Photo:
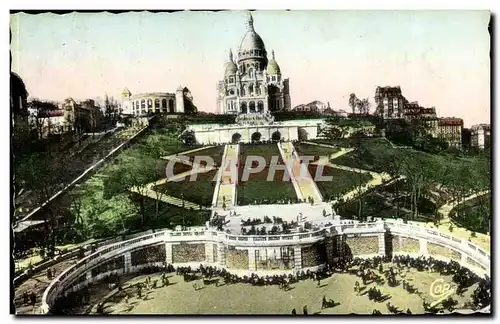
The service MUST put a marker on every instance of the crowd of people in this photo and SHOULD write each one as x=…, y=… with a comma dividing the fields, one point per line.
x=373, y=270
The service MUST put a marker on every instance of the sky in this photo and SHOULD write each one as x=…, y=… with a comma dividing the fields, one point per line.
x=439, y=58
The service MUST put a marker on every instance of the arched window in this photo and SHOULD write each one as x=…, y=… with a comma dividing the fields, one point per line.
x=171, y=107
x=137, y=104
x=150, y=103
x=242, y=91
x=260, y=106
x=251, y=73
x=143, y=104
x=257, y=89
x=250, y=89
x=251, y=106
x=157, y=104
x=243, y=107
x=133, y=105
x=164, y=103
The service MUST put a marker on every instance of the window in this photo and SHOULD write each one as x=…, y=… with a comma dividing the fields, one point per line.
x=274, y=78
x=150, y=103
x=133, y=105
x=164, y=103
x=231, y=92
x=171, y=105
x=143, y=104
x=243, y=91
x=157, y=103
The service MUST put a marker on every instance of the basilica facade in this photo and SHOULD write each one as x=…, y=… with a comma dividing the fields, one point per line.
x=252, y=83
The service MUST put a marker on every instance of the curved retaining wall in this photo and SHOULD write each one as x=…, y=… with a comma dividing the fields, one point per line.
x=244, y=254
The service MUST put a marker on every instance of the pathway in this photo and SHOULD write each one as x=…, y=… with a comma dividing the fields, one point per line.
x=342, y=151
x=376, y=180
x=445, y=209
x=228, y=177
x=173, y=156
x=300, y=173
x=37, y=283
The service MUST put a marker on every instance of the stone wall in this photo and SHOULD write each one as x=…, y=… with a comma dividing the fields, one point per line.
x=284, y=262
x=110, y=265
x=362, y=245
x=313, y=255
x=236, y=259
x=405, y=244
x=436, y=249
x=183, y=253
x=149, y=254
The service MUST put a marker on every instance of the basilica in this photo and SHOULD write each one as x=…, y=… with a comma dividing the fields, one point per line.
x=252, y=84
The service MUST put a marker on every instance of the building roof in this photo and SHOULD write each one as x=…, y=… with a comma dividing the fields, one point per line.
x=388, y=90
x=251, y=40
x=450, y=121
x=272, y=67
x=231, y=68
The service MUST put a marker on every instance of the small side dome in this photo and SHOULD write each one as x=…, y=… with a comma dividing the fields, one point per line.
x=231, y=68
x=272, y=67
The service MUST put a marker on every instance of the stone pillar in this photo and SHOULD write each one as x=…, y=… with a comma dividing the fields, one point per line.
x=252, y=262
x=222, y=254
x=209, y=252
x=423, y=247
x=330, y=250
x=463, y=259
x=128, y=262
x=168, y=253
x=297, y=256
x=381, y=244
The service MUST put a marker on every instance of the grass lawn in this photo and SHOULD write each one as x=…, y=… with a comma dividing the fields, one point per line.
x=267, y=151
x=181, y=298
x=342, y=181
x=347, y=142
x=215, y=153
x=257, y=188
x=178, y=168
x=304, y=149
x=199, y=191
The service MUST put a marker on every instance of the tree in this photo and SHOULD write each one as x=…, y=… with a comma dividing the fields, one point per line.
x=134, y=174
x=111, y=111
x=42, y=175
x=353, y=102
x=364, y=106
x=188, y=138
x=39, y=117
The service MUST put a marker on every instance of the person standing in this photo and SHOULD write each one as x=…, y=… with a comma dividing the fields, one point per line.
x=304, y=310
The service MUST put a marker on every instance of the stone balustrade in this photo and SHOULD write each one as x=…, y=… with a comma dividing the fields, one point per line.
x=233, y=250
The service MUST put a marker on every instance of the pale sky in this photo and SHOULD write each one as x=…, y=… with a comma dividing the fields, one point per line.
x=439, y=58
